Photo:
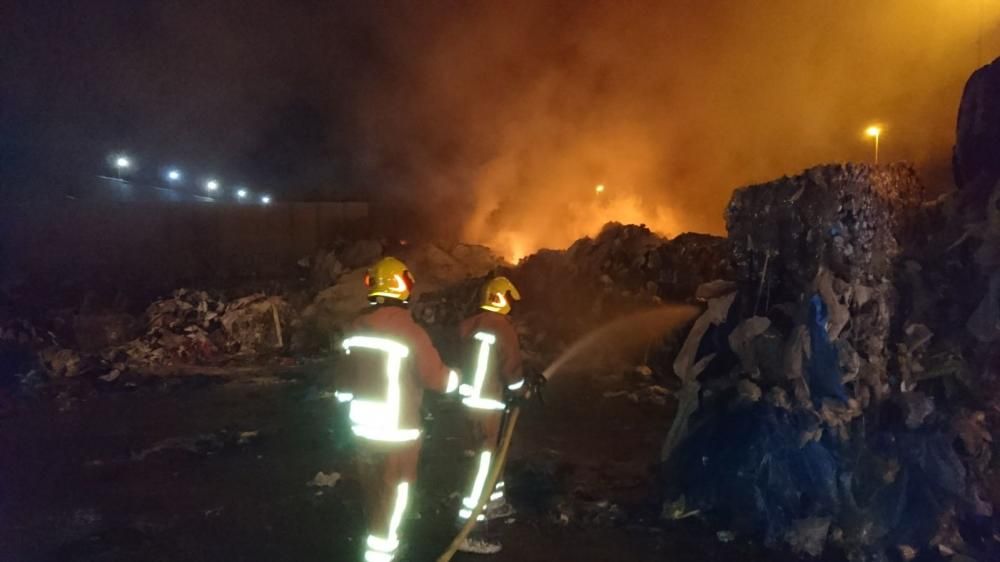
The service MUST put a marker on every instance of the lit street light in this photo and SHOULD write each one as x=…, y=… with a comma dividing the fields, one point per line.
x=265, y=200
x=121, y=163
x=211, y=185
x=599, y=189
x=874, y=131
x=174, y=175
x=241, y=193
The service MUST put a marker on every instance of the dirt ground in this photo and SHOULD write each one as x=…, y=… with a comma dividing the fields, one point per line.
x=209, y=468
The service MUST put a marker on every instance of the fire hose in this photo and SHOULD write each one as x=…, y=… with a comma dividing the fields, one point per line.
x=535, y=387
x=491, y=481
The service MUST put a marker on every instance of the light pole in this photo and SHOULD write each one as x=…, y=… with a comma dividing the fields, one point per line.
x=174, y=175
x=265, y=200
x=241, y=194
x=120, y=163
x=874, y=131
x=211, y=186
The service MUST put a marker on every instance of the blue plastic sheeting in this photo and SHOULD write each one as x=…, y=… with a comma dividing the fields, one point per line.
x=823, y=366
x=747, y=466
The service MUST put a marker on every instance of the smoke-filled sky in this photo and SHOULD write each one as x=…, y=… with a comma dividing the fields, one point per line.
x=492, y=121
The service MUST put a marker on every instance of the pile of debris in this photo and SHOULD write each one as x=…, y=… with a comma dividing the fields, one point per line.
x=328, y=266
x=439, y=269
x=17, y=331
x=195, y=327
x=27, y=350
x=567, y=293
x=623, y=269
x=433, y=264
x=806, y=415
x=977, y=142
x=436, y=266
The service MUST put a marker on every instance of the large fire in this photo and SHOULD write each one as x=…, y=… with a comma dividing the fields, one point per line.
x=551, y=135
x=559, y=227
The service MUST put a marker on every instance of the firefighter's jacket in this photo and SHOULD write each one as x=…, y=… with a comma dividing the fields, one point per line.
x=390, y=362
x=493, y=365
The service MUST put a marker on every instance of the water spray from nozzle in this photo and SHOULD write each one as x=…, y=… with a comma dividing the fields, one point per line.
x=627, y=335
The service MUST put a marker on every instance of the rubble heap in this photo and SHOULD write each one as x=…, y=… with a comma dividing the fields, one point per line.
x=830, y=233
x=342, y=294
x=204, y=328
x=977, y=167
x=195, y=327
x=805, y=416
x=569, y=292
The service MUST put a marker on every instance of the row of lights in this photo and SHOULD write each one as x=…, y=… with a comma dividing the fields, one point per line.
x=212, y=186
x=174, y=175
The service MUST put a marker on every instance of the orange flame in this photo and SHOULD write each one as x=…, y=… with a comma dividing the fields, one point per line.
x=557, y=228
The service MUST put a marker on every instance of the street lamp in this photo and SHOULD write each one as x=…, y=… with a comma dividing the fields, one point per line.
x=599, y=189
x=121, y=163
x=265, y=200
x=874, y=131
x=212, y=185
x=174, y=175
x=241, y=193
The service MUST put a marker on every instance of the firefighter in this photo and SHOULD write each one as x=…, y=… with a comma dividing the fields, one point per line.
x=493, y=376
x=390, y=361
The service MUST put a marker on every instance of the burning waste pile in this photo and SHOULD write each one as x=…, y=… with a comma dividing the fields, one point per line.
x=624, y=268
x=816, y=410
x=567, y=293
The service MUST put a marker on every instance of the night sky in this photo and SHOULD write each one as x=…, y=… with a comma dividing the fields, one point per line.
x=249, y=91
x=489, y=118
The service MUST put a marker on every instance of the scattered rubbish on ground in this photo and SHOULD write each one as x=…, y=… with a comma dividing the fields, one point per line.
x=324, y=480
x=247, y=437
x=725, y=536
x=197, y=444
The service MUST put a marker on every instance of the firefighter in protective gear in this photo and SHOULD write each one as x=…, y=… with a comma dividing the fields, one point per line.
x=390, y=361
x=493, y=376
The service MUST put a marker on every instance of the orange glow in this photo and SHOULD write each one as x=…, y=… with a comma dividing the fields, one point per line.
x=873, y=131
x=668, y=112
x=513, y=248
x=514, y=236
x=600, y=188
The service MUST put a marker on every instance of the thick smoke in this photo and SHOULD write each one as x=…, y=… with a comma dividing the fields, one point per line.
x=495, y=121
x=510, y=116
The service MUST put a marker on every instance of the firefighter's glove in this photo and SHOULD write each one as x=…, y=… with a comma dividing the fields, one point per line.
x=536, y=384
x=532, y=386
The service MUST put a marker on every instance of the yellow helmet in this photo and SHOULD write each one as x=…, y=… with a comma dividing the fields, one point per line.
x=388, y=278
x=495, y=292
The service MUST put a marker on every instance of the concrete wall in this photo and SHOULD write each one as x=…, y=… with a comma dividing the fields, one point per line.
x=169, y=243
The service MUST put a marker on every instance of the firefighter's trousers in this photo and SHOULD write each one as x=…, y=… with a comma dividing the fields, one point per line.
x=486, y=434
x=388, y=473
